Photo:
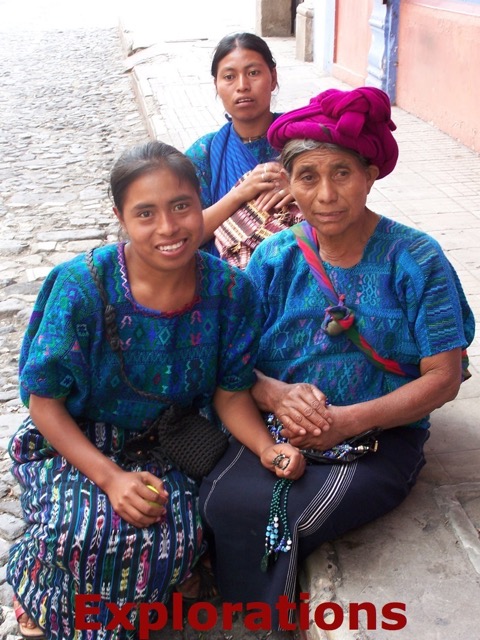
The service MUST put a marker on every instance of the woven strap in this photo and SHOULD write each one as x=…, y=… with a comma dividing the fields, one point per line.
x=308, y=243
x=111, y=331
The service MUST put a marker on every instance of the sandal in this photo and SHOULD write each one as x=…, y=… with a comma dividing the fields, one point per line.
x=31, y=633
x=204, y=585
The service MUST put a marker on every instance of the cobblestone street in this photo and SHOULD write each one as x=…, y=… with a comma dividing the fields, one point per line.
x=67, y=109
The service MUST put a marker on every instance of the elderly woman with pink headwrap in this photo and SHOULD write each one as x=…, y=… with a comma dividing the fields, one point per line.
x=364, y=327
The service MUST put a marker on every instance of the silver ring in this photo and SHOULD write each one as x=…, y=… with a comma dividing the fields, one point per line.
x=278, y=459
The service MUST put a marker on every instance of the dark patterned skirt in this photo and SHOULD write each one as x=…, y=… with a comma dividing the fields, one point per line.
x=326, y=502
x=74, y=542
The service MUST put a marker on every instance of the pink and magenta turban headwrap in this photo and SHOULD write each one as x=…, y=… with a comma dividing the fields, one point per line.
x=358, y=120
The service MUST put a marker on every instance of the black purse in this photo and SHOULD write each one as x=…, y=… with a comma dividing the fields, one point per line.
x=180, y=437
x=346, y=451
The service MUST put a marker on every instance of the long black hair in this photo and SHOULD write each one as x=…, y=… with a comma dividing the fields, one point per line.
x=142, y=159
x=243, y=40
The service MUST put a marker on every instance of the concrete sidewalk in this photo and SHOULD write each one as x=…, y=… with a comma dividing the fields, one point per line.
x=426, y=554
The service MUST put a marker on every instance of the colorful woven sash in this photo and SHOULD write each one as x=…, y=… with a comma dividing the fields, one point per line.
x=339, y=318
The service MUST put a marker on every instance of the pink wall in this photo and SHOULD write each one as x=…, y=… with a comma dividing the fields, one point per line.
x=438, y=76
x=352, y=41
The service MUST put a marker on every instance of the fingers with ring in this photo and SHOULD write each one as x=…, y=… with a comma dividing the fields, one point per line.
x=281, y=461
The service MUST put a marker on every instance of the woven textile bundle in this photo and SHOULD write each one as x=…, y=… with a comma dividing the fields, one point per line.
x=239, y=235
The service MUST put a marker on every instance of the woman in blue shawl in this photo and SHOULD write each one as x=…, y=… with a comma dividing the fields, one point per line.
x=245, y=75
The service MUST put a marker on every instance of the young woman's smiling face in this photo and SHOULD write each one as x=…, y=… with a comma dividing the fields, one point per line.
x=163, y=219
x=245, y=83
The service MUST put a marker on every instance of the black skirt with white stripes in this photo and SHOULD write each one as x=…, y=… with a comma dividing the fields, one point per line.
x=325, y=503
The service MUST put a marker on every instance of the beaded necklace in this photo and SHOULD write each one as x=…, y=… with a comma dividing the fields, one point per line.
x=277, y=536
x=253, y=138
x=275, y=427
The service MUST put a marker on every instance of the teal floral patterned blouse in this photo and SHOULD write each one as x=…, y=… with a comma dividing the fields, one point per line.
x=183, y=355
x=406, y=297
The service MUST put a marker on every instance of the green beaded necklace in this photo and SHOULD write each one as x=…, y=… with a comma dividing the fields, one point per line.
x=277, y=536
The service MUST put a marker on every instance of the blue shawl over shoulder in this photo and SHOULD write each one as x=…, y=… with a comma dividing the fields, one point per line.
x=230, y=158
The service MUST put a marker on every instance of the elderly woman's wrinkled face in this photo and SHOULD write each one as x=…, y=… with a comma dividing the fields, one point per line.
x=331, y=189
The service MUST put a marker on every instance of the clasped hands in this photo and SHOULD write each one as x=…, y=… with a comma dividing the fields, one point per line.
x=306, y=416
